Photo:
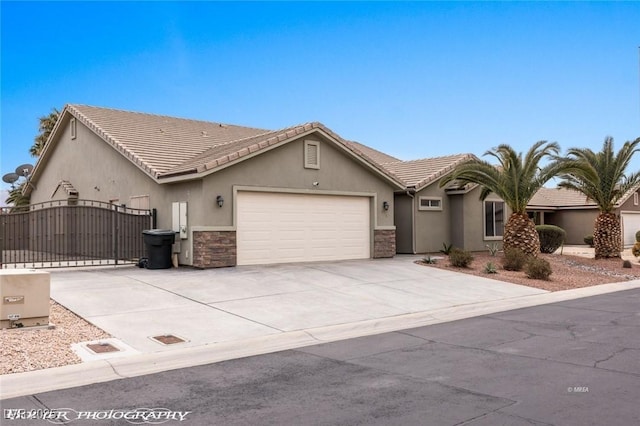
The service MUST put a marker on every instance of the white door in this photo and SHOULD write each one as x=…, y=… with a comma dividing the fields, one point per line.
x=282, y=228
x=630, y=225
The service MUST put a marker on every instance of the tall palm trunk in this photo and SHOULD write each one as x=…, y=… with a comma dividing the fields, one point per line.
x=520, y=233
x=606, y=236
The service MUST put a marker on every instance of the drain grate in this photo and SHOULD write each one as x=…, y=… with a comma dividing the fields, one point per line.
x=168, y=339
x=101, y=348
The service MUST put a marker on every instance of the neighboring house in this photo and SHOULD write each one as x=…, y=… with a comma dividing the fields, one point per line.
x=235, y=195
x=574, y=213
x=428, y=216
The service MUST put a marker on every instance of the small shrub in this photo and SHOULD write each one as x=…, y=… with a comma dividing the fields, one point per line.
x=589, y=240
x=638, y=237
x=493, y=249
x=635, y=250
x=626, y=264
x=446, y=249
x=537, y=269
x=460, y=258
x=551, y=237
x=429, y=260
x=490, y=268
x=514, y=259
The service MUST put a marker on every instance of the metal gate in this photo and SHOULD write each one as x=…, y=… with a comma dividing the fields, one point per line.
x=72, y=233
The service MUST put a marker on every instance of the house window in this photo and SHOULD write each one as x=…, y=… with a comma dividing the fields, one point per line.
x=430, y=203
x=493, y=219
x=635, y=198
x=311, y=155
x=72, y=125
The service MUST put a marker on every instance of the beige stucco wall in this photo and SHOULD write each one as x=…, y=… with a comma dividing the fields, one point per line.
x=576, y=223
x=474, y=239
x=432, y=227
x=99, y=172
x=282, y=168
x=461, y=221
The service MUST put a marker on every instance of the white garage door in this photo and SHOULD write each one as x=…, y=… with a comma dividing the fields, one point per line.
x=281, y=228
x=630, y=225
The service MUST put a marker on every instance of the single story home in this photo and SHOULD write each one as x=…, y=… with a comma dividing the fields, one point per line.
x=239, y=195
x=234, y=195
x=573, y=212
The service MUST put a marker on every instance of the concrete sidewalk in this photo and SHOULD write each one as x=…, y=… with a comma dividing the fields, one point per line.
x=235, y=312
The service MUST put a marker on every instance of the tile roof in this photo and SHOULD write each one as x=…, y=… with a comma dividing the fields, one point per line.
x=558, y=198
x=170, y=147
x=166, y=146
x=158, y=143
x=375, y=155
x=420, y=173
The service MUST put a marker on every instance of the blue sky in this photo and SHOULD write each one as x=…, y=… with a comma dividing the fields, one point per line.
x=412, y=79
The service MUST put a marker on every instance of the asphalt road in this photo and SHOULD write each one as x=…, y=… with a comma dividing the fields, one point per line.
x=570, y=363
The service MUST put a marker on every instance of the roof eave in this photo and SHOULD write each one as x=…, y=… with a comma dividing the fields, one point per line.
x=245, y=154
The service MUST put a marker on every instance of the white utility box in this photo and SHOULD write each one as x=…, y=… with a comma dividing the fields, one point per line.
x=24, y=298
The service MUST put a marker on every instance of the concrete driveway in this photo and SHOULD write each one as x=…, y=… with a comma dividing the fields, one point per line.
x=231, y=304
x=232, y=313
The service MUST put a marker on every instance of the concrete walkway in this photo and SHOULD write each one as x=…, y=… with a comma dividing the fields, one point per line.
x=235, y=312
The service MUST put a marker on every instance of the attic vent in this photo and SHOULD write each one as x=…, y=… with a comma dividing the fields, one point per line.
x=73, y=128
x=311, y=155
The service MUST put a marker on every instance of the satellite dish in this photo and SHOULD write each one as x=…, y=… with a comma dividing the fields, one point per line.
x=24, y=170
x=10, y=178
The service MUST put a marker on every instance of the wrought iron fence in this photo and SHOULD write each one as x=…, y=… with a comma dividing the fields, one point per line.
x=72, y=233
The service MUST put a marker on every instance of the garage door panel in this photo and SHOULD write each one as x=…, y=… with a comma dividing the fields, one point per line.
x=630, y=224
x=278, y=228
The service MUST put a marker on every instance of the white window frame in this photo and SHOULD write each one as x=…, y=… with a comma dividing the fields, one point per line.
x=307, y=164
x=484, y=222
x=430, y=208
x=635, y=198
x=74, y=130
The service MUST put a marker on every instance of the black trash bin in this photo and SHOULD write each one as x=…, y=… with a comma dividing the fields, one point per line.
x=158, y=243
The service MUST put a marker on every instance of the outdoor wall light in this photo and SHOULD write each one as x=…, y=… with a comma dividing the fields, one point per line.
x=219, y=200
x=385, y=205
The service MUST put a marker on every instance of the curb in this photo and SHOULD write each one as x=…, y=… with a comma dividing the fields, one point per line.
x=98, y=371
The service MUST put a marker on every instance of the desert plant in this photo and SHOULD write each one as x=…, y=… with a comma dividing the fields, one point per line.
x=537, y=268
x=460, y=258
x=515, y=179
x=635, y=250
x=429, y=260
x=493, y=249
x=626, y=264
x=490, y=268
x=638, y=237
x=551, y=237
x=602, y=177
x=446, y=249
x=589, y=240
x=514, y=259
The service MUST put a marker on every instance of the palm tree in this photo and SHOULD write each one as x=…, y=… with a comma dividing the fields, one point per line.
x=601, y=177
x=45, y=127
x=515, y=180
x=16, y=197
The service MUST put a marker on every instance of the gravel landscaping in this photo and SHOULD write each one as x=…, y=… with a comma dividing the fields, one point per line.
x=26, y=350
x=568, y=271
x=38, y=348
